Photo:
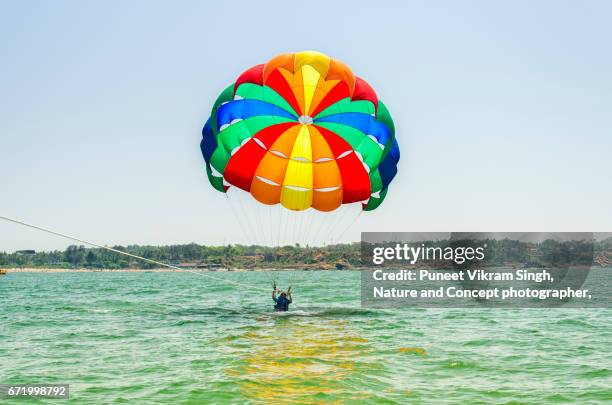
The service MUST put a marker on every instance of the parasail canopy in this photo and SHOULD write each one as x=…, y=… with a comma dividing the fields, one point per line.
x=303, y=131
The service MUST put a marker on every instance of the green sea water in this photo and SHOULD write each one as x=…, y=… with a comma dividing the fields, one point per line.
x=181, y=338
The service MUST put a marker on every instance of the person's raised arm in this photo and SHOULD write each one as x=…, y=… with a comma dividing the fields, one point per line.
x=289, y=295
x=274, y=295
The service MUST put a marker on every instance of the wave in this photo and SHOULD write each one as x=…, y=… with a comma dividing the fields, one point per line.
x=330, y=312
x=307, y=311
x=208, y=311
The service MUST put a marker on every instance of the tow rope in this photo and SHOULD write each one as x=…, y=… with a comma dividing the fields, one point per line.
x=63, y=235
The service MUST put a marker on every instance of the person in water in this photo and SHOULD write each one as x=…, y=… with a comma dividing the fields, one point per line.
x=282, y=302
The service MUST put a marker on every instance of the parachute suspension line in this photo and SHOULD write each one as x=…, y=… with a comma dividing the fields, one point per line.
x=270, y=225
x=295, y=218
x=260, y=224
x=306, y=223
x=295, y=223
x=349, y=220
x=249, y=202
x=327, y=226
x=280, y=227
x=144, y=259
x=338, y=226
x=239, y=220
x=303, y=228
x=237, y=217
x=318, y=221
x=245, y=201
x=309, y=225
x=333, y=224
x=297, y=231
x=256, y=223
x=350, y=225
x=285, y=226
x=286, y=219
x=280, y=224
x=289, y=226
x=320, y=225
x=253, y=234
x=297, y=228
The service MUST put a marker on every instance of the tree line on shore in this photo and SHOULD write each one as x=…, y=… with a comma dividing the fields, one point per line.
x=339, y=256
x=189, y=255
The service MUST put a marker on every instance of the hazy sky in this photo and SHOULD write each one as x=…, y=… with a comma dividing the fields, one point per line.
x=502, y=109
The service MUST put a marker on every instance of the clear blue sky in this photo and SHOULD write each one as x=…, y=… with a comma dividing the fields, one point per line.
x=503, y=111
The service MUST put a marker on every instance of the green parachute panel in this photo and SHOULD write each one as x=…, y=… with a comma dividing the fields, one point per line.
x=347, y=106
x=225, y=96
x=383, y=115
x=264, y=93
x=233, y=135
x=219, y=159
x=217, y=182
x=359, y=141
x=374, y=202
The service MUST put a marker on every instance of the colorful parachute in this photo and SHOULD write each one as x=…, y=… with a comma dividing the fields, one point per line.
x=304, y=131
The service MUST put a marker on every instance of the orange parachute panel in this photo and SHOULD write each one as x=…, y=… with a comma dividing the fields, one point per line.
x=327, y=200
x=284, y=60
x=340, y=71
x=264, y=192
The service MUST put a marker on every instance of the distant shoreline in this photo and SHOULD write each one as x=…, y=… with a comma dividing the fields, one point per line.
x=155, y=270
x=168, y=270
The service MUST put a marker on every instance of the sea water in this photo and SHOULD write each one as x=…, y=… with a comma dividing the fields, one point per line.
x=184, y=338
